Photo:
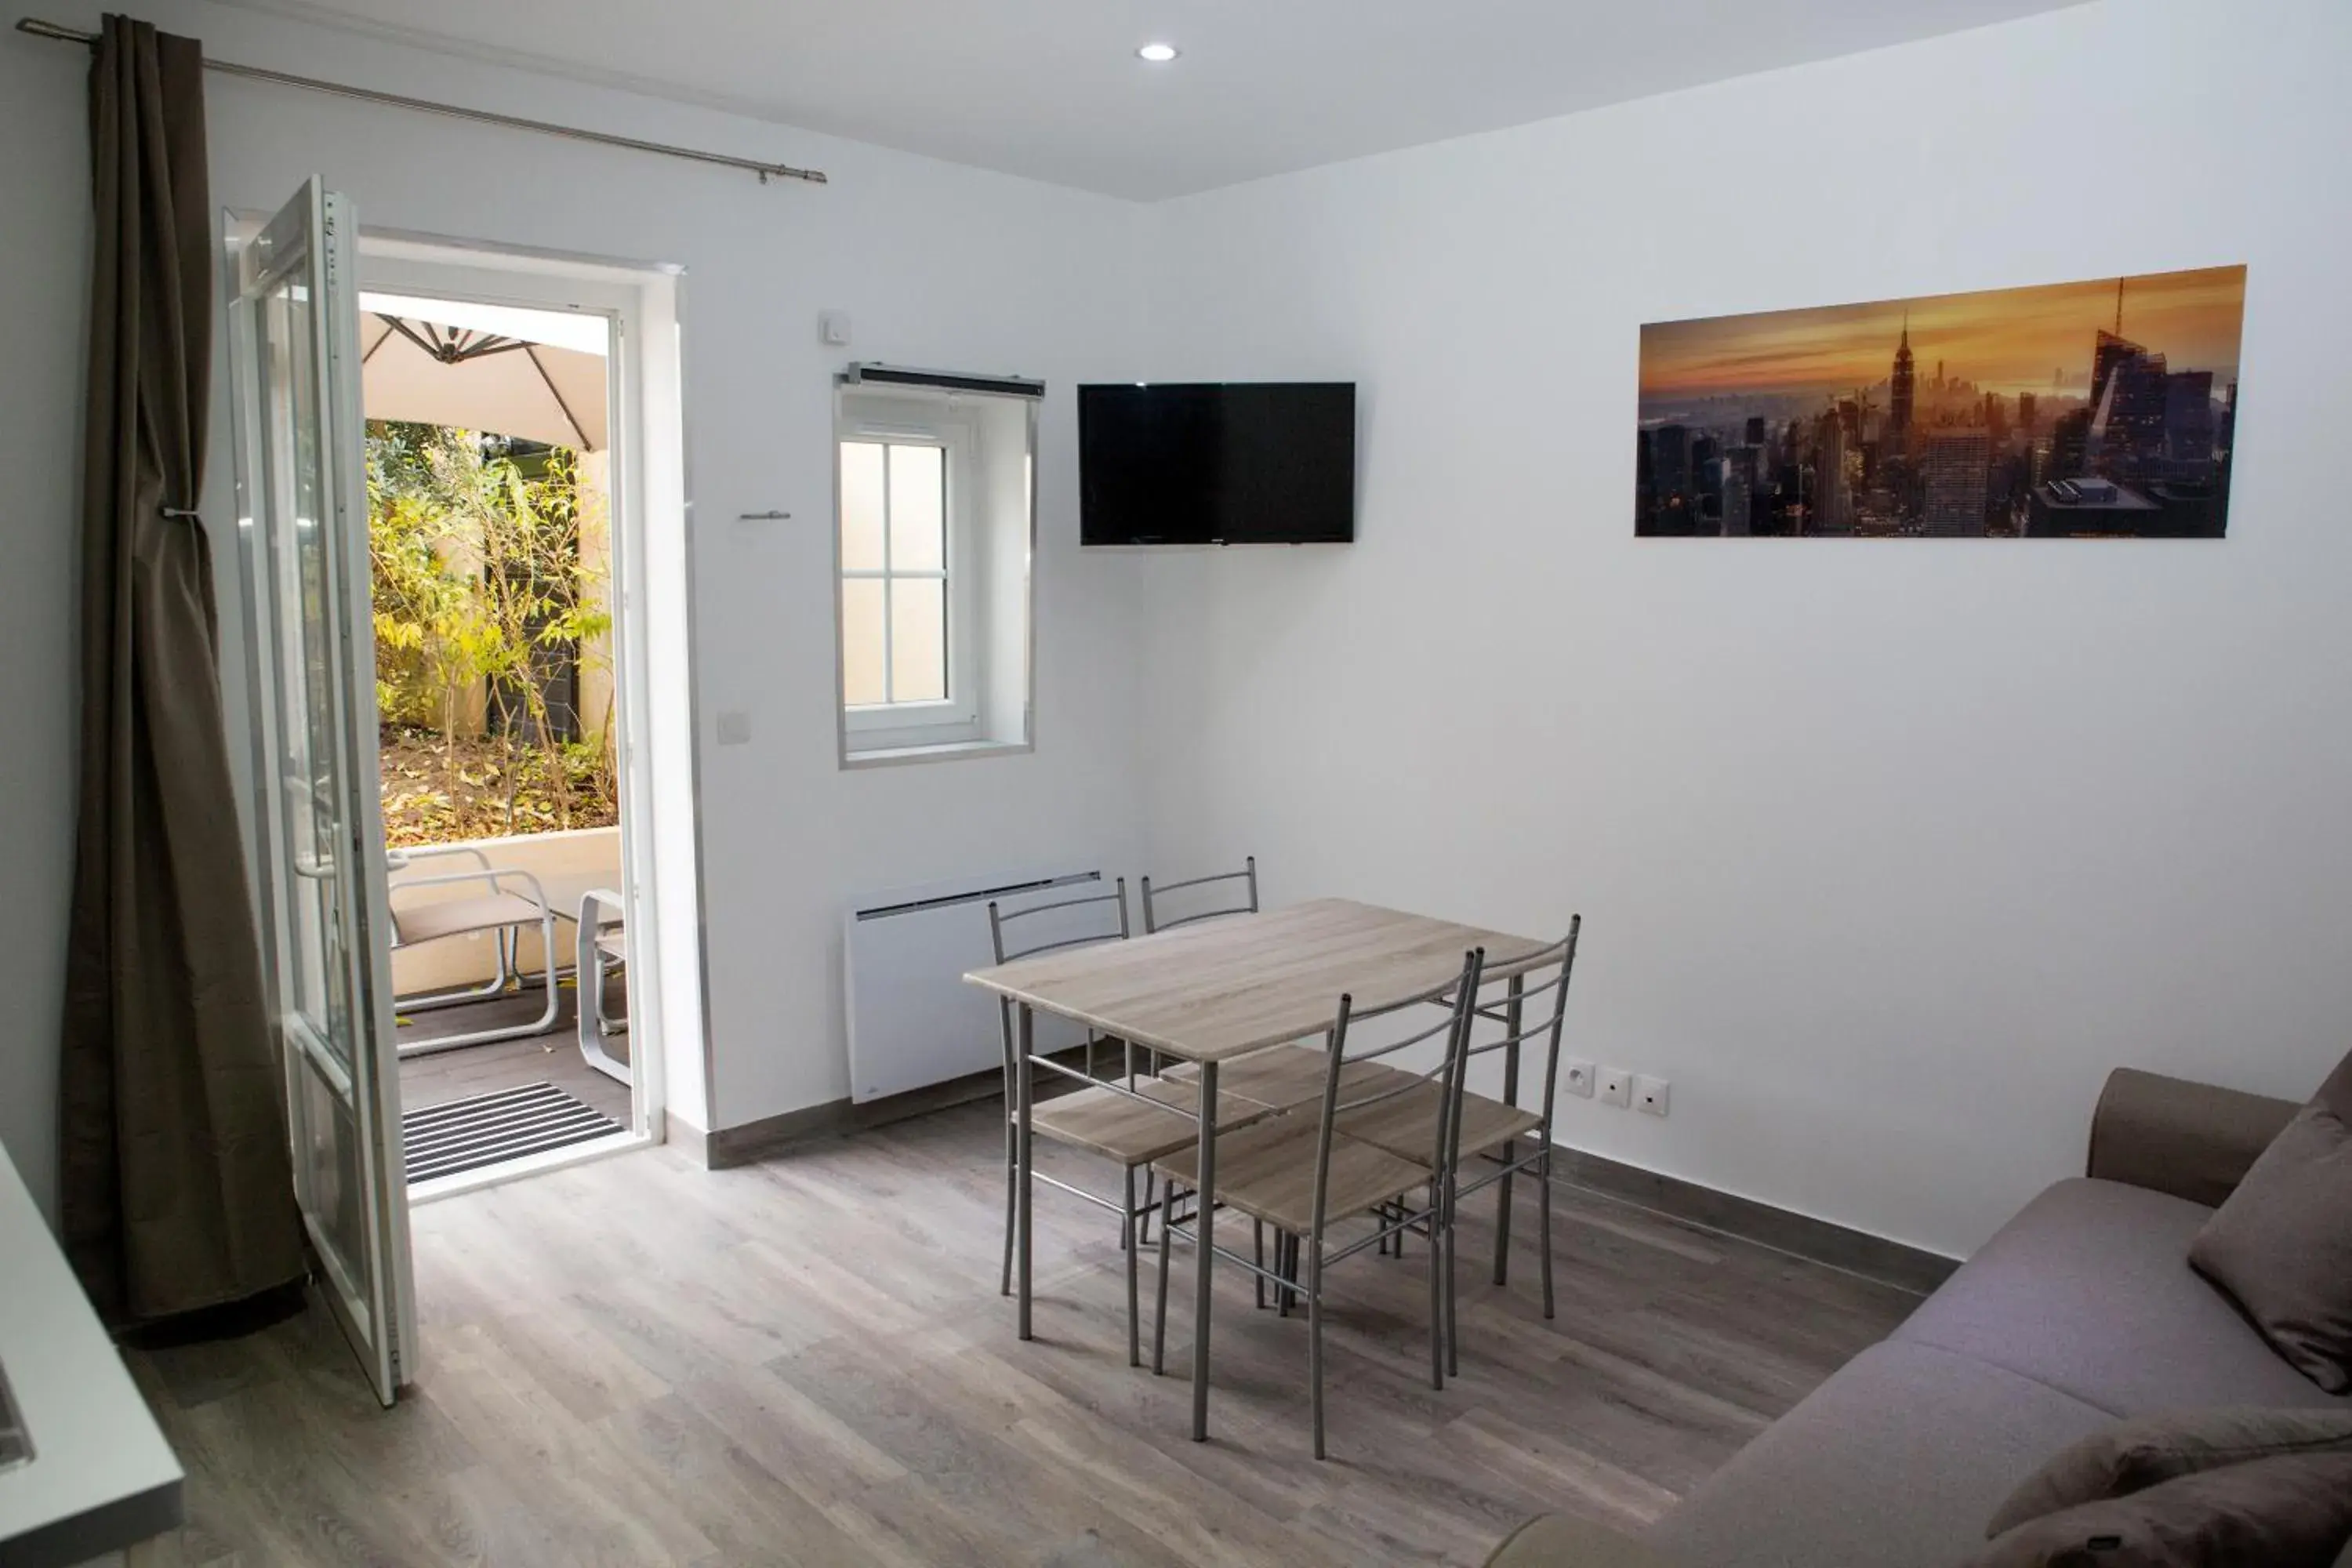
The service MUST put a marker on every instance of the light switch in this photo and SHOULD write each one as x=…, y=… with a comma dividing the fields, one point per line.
x=734, y=728
x=834, y=326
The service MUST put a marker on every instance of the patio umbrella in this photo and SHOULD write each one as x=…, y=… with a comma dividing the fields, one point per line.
x=536, y=375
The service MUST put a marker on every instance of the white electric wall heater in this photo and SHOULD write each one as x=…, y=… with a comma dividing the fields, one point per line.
x=913, y=1022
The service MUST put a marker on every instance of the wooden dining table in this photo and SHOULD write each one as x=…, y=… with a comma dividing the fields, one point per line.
x=1213, y=992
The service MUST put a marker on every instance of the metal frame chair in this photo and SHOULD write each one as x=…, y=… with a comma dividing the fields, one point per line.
x=1132, y=1126
x=1153, y=924
x=501, y=910
x=601, y=948
x=1298, y=1173
x=1479, y=1128
x=1495, y=1145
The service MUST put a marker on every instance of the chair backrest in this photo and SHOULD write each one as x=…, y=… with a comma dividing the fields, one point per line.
x=1226, y=901
x=1528, y=998
x=1100, y=917
x=1344, y=1094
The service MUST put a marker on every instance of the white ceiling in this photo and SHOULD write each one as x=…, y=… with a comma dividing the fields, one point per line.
x=1051, y=89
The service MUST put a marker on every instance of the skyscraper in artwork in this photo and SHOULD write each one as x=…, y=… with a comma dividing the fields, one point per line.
x=1899, y=395
x=1833, y=497
x=1953, y=471
x=1670, y=467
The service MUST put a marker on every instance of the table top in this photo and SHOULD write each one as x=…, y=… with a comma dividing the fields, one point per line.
x=101, y=1475
x=1226, y=987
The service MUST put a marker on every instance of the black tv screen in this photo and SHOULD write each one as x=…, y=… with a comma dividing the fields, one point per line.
x=1217, y=463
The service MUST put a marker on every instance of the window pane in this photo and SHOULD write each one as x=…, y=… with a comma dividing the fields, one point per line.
x=918, y=509
x=919, y=639
x=861, y=642
x=861, y=507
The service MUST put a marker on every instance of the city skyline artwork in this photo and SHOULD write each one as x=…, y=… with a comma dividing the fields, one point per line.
x=2105, y=408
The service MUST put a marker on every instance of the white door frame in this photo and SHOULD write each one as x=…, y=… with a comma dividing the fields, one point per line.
x=635, y=300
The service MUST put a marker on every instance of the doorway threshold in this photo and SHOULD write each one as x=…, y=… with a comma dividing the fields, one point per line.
x=570, y=1154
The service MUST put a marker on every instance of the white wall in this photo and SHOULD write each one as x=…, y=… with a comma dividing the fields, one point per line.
x=940, y=265
x=44, y=294
x=1886, y=853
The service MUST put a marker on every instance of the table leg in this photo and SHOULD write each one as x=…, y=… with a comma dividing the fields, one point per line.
x=1205, y=1248
x=1024, y=1034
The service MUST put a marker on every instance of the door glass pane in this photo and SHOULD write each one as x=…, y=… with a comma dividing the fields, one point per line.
x=327, y=1145
x=918, y=510
x=294, y=330
x=861, y=642
x=293, y=495
x=919, y=639
x=861, y=506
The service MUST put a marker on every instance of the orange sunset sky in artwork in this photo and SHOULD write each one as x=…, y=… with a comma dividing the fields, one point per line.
x=2004, y=340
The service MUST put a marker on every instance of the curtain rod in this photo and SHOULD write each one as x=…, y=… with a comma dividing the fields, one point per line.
x=35, y=27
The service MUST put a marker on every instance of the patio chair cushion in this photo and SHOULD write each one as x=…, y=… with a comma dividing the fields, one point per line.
x=462, y=917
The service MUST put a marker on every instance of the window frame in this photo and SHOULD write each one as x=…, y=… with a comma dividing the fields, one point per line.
x=876, y=418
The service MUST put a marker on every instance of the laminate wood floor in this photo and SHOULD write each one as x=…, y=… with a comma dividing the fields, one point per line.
x=806, y=1361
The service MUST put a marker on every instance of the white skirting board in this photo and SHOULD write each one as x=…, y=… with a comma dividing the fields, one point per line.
x=913, y=1022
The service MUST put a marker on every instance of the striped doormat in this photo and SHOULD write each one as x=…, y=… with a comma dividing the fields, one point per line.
x=491, y=1129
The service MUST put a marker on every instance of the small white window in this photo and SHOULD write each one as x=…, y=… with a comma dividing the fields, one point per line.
x=932, y=540
x=899, y=585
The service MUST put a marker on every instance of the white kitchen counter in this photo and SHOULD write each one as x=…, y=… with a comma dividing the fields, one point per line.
x=102, y=1476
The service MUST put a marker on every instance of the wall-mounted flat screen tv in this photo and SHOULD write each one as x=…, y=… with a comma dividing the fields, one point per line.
x=1217, y=463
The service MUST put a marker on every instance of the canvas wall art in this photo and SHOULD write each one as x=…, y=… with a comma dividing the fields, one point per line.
x=2105, y=408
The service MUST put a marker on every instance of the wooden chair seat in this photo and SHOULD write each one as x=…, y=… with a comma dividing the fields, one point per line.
x=1267, y=1171
x=1107, y=1123
x=1287, y=1077
x=1406, y=1124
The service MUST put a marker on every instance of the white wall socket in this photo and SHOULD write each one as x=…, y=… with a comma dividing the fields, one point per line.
x=1616, y=1086
x=1577, y=1079
x=1650, y=1094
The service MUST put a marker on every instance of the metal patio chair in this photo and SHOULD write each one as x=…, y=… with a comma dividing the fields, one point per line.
x=1299, y=1174
x=508, y=903
x=601, y=951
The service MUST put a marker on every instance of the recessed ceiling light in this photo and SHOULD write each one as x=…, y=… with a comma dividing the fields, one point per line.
x=1158, y=54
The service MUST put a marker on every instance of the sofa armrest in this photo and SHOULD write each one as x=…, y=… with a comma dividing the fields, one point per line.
x=2192, y=1139
x=1563, y=1541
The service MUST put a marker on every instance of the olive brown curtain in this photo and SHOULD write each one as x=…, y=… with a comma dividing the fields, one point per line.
x=176, y=1194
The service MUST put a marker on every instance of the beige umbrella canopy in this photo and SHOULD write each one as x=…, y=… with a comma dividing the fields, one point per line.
x=536, y=374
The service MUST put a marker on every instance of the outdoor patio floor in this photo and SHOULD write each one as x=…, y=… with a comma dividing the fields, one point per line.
x=552, y=1057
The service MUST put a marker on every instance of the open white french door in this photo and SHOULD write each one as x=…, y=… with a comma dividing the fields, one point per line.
x=303, y=522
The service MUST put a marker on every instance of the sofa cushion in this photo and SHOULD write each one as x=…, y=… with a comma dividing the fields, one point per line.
x=2290, y=1512
x=1895, y=1462
x=2148, y=1450
x=2281, y=1245
x=2089, y=1291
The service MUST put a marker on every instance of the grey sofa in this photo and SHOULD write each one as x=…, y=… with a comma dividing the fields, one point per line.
x=2081, y=1309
